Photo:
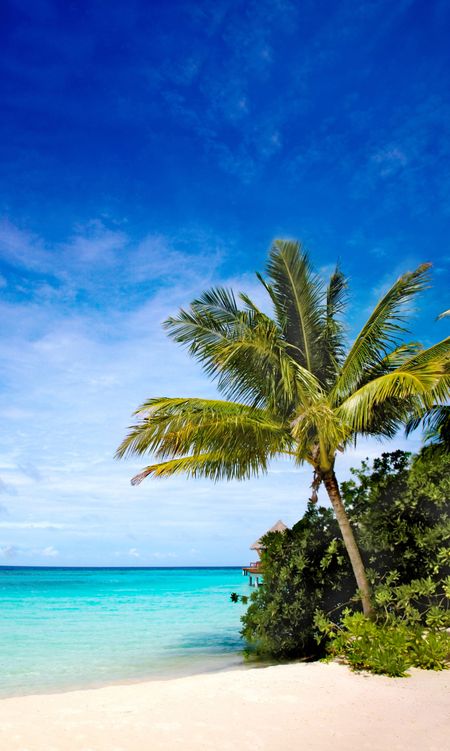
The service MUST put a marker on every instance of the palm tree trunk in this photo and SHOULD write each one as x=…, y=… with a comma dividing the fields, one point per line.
x=334, y=495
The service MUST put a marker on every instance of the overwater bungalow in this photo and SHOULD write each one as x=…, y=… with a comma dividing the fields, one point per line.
x=254, y=569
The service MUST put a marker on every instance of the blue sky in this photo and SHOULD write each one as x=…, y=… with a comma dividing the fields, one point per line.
x=150, y=150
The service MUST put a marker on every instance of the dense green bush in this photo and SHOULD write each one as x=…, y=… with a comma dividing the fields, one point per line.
x=305, y=568
x=389, y=648
x=400, y=510
x=410, y=629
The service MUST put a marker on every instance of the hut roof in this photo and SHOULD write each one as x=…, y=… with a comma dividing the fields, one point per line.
x=279, y=526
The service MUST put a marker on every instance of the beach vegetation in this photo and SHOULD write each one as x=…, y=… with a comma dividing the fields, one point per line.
x=399, y=506
x=390, y=647
x=306, y=569
x=293, y=384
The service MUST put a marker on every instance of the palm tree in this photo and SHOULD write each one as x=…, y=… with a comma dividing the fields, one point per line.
x=290, y=385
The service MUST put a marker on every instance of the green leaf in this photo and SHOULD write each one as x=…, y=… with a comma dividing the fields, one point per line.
x=381, y=333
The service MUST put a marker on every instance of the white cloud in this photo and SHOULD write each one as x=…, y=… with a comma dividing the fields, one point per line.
x=22, y=248
x=32, y=525
x=9, y=551
x=7, y=488
x=95, y=244
x=50, y=552
x=29, y=470
x=390, y=160
x=164, y=556
x=134, y=553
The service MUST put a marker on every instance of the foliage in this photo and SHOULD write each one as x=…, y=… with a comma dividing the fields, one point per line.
x=389, y=647
x=410, y=630
x=400, y=507
x=234, y=597
x=305, y=568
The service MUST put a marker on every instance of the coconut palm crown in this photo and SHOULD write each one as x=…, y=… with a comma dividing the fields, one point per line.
x=291, y=385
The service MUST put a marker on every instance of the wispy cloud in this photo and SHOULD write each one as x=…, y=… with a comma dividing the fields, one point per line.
x=7, y=488
x=390, y=160
x=32, y=525
x=31, y=471
x=101, y=264
x=9, y=551
x=50, y=552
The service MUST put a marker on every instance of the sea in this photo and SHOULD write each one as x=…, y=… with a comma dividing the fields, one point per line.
x=71, y=628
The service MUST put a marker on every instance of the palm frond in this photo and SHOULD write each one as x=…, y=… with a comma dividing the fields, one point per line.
x=413, y=384
x=204, y=438
x=298, y=294
x=250, y=305
x=438, y=353
x=437, y=425
x=434, y=418
x=259, y=368
x=219, y=302
x=207, y=321
x=443, y=315
x=241, y=349
x=252, y=365
x=434, y=422
x=331, y=343
x=280, y=316
x=211, y=329
x=437, y=356
x=213, y=466
x=388, y=418
x=171, y=427
x=396, y=359
x=392, y=361
x=380, y=334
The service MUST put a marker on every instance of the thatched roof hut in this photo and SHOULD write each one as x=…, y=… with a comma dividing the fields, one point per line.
x=279, y=526
x=254, y=571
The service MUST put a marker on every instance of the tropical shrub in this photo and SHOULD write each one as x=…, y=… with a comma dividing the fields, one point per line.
x=305, y=568
x=388, y=646
x=308, y=606
x=401, y=506
x=410, y=629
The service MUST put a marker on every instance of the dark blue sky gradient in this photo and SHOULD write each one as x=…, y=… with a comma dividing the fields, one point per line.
x=324, y=120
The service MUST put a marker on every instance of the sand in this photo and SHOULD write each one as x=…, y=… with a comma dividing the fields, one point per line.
x=279, y=708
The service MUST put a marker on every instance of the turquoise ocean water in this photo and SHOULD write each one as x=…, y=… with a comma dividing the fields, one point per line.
x=66, y=628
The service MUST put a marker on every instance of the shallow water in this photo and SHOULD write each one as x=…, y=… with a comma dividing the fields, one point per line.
x=66, y=628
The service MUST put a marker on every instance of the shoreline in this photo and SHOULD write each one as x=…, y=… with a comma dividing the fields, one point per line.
x=277, y=708
x=163, y=676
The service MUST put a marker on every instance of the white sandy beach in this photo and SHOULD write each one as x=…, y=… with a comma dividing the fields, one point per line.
x=279, y=708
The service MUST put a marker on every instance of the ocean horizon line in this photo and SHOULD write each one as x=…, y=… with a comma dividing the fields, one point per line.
x=117, y=568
